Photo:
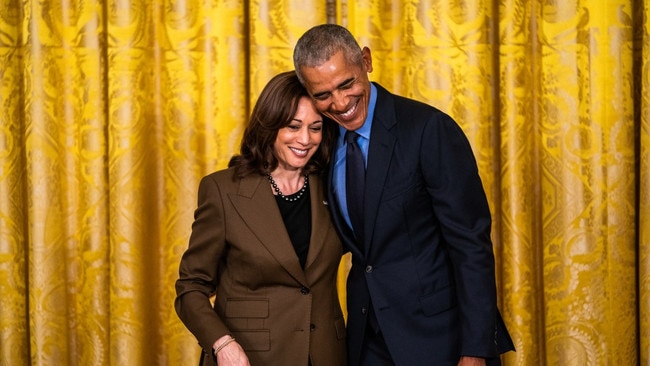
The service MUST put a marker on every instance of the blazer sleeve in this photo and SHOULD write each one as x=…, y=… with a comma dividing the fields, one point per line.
x=460, y=204
x=198, y=271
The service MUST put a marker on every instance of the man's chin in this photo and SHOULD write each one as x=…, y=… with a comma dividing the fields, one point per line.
x=349, y=125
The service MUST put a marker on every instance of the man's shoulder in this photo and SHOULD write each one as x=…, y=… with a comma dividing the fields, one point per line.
x=404, y=104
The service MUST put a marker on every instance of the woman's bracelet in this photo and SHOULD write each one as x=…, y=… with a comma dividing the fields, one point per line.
x=222, y=345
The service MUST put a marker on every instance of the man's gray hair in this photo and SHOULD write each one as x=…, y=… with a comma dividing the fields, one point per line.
x=321, y=42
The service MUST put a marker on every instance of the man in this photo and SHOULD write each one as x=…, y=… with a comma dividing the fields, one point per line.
x=421, y=290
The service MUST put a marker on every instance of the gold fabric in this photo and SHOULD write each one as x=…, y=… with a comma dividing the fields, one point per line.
x=111, y=111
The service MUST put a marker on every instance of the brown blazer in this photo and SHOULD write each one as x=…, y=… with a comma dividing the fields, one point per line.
x=240, y=250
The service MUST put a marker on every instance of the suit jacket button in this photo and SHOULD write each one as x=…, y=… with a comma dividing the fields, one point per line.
x=368, y=269
x=312, y=327
x=364, y=310
x=304, y=290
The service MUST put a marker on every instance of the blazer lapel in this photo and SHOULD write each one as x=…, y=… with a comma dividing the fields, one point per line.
x=319, y=219
x=256, y=205
x=380, y=151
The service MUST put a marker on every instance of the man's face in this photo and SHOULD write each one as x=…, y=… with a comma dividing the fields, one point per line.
x=339, y=90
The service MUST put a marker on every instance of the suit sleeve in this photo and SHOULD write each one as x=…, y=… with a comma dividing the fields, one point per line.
x=198, y=271
x=460, y=204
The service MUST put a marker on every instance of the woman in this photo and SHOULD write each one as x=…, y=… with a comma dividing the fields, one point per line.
x=263, y=243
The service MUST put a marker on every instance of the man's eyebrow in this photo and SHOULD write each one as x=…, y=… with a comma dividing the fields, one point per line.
x=343, y=83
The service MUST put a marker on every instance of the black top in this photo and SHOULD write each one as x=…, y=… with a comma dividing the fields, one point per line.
x=297, y=220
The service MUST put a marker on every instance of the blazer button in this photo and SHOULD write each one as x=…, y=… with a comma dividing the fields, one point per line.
x=304, y=290
x=312, y=327
x=364, y=310
x=368, y=269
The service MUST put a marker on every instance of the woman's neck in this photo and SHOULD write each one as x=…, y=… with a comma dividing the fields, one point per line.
x=288, y=182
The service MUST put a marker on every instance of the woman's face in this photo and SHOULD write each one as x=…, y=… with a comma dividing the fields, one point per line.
x=297, y=142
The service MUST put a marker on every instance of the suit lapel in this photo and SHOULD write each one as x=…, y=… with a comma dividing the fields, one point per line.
x=256, y=205
x=319, y=220
x=339, y=222
x=380, y=150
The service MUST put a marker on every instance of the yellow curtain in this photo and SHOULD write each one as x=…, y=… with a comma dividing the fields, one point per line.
x=111, y=111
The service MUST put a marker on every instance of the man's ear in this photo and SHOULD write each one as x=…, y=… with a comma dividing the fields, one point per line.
x=366, y=58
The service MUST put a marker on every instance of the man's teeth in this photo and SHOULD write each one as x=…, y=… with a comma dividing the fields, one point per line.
x=349, y=112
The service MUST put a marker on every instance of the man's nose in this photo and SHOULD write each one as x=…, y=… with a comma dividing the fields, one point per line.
x=339, y=101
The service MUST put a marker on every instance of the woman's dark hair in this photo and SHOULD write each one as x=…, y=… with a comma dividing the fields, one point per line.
x=275, y=108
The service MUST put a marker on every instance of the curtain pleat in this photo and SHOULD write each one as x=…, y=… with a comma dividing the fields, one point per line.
x=14, y=327
x=112, y=111
x=520, y=202
x=641, y=80
x=203, y=103
x=65, y=185
x=134, y=111
x=587, y=182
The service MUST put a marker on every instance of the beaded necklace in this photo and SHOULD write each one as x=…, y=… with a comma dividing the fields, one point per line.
x=293, y=197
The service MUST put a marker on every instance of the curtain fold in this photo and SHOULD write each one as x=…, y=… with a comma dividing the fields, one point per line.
x=178, y=99
x=112, y=111
x=642, y=120
x=587, y=182
x=520, y=201
x=65, y=186
x=202, y=58
x=14, y=329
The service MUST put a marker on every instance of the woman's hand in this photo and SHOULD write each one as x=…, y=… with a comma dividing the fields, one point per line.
x=229, y=352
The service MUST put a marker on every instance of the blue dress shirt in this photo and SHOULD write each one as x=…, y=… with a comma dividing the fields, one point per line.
x=339, y=157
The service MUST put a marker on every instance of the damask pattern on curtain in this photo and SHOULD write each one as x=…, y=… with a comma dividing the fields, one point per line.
x=112, y=111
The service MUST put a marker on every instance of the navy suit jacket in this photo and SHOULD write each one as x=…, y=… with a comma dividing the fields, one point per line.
x=426, y=264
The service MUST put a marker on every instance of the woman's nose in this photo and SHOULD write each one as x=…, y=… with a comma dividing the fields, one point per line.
x=303, y=136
